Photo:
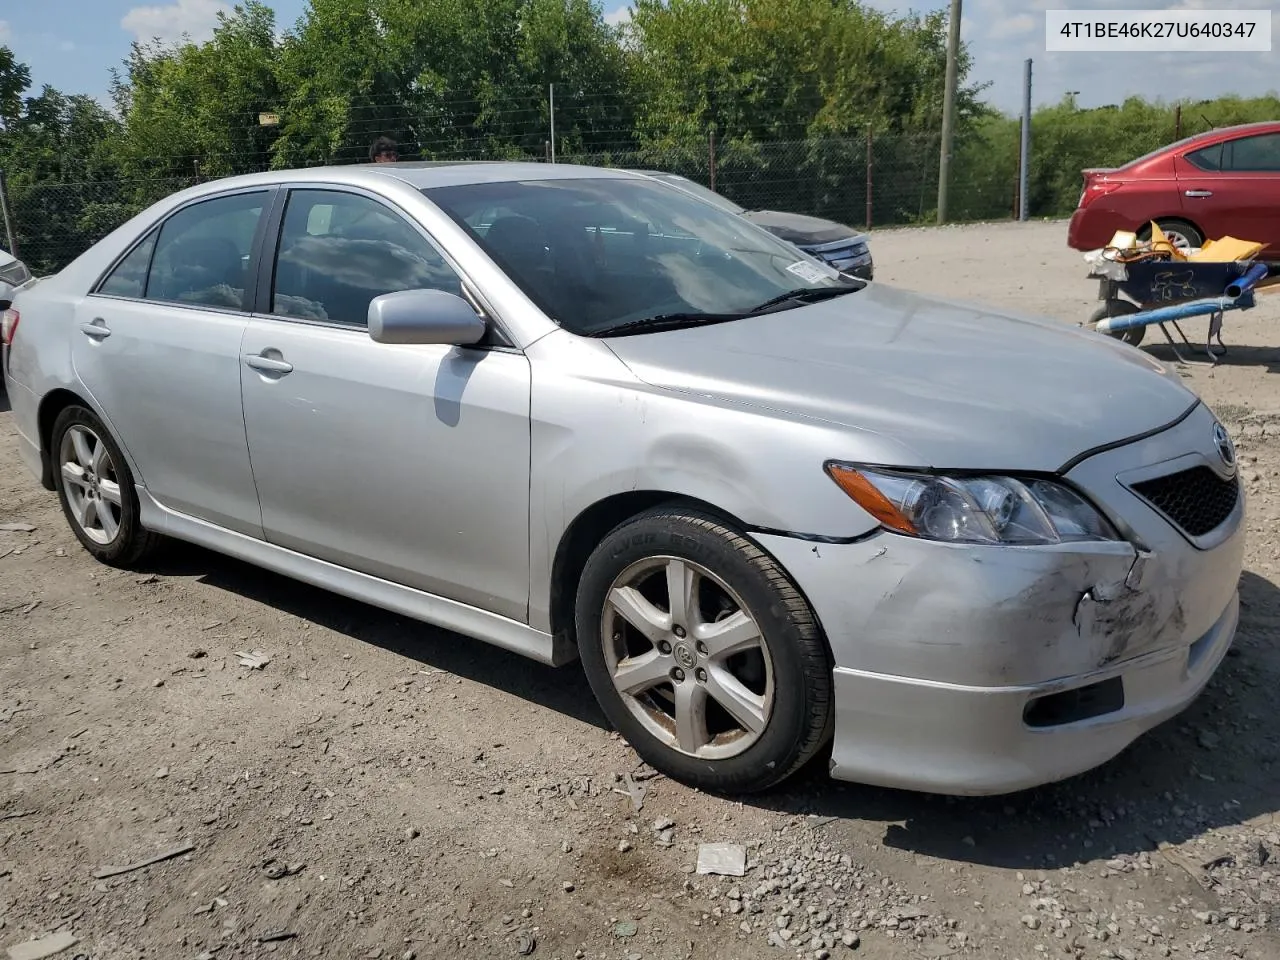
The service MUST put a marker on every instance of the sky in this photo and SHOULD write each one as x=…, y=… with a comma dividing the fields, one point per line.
x=73, y=44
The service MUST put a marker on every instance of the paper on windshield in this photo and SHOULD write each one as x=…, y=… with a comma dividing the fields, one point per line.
x=808, y=271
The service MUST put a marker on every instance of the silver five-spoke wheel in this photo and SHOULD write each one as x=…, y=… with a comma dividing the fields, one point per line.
x=91, y=485
x=687, y=658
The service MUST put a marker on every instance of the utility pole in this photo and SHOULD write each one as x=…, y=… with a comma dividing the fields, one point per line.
x=552, y=90
x=1025, y=155
x=948, y=109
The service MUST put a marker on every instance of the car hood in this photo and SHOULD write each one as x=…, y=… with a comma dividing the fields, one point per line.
x=929, y=382
x=799, y=229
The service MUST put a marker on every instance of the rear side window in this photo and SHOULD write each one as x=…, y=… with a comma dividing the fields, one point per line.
x=1260, y=154
x=202, y=252
x=129, y=278
x=1209, y=159
x=340, y=250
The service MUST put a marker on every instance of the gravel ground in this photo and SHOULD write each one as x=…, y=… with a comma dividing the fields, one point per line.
x=383, y=789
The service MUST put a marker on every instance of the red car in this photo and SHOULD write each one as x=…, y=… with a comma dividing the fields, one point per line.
x=1222, y=183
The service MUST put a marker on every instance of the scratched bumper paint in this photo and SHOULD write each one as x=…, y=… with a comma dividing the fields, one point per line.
x=939, y=649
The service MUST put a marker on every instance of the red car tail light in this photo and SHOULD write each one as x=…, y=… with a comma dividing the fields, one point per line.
x=8, y=326
x=1094, y=189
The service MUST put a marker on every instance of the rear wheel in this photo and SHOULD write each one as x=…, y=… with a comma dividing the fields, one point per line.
x=96, y=490
x=702, y=653
x=1181, y=234
x=1120, y=308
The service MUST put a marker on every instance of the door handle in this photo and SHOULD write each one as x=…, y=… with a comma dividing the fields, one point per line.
x=267, y=364
x=1198, y=193
x=97, y=330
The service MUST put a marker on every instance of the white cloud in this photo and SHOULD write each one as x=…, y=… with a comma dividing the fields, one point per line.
x=618, y=18
x=5, y=31
x=1012, y=26
x=1001, y=34
x=194, y=19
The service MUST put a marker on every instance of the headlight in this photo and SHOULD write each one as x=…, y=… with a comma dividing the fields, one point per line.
x=986, y=509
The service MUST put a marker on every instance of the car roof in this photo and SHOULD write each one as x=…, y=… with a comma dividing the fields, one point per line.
x=425, y=174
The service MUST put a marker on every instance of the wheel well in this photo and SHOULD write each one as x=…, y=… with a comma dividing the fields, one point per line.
x=53, y=404
x=585, y=533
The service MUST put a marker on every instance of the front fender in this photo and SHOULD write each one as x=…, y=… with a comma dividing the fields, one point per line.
x=597, y=431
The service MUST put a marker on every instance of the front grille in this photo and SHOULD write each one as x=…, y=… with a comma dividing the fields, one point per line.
x=840, y=254
x=1196, y=500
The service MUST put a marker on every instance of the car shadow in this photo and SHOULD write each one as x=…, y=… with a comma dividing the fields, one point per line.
x=1216, y=765
x=5, y=406
x=564, y=690
x=1236, y=356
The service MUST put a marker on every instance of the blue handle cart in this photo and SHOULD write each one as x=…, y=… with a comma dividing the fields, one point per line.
x=1141, y=293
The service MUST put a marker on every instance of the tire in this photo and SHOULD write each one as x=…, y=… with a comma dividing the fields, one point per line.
x=1176, y=231
x=102, y=507
x=1120, y=308
x=781, y=678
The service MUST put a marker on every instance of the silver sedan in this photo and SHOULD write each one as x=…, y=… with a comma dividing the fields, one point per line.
x=583, y=415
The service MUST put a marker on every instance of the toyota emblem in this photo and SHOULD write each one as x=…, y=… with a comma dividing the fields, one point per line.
x=1226, y=449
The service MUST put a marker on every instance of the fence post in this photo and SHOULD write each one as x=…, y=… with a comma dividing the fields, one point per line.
x=4, y=210
x=711, y=155
x=1177, y=122
x=196, y=163
x=869, y=177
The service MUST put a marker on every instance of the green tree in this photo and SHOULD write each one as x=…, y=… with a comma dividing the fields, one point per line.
x=190, y=103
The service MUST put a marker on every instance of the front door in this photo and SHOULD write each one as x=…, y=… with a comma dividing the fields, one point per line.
x=409, y=463
x=157, y=345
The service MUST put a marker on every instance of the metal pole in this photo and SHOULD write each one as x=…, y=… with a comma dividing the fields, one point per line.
x=1024, y=161
x=711, y=155
x=869, y=179
x=4, y=210
x=552, y=88
x=948, y=109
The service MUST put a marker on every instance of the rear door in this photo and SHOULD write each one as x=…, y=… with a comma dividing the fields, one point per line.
x=1233, y=189
x=157, y=344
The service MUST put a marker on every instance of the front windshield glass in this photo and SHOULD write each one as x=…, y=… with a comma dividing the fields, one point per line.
x=698, y=190
x=596, y=253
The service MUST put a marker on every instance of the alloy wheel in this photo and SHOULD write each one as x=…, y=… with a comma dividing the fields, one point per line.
x=687, y=658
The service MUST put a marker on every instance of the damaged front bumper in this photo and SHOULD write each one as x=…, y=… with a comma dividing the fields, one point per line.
x=976, y=670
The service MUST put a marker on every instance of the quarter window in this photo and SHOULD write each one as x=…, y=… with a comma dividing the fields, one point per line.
x=338, y=251
x=129, y=278
x=202, y=253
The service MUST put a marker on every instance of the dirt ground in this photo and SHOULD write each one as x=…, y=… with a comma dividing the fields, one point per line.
x=384, y=789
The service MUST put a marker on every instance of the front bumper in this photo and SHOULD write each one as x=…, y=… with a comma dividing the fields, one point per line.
x=975, y=670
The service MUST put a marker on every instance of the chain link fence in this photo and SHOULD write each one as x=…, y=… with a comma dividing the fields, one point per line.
x=866, y=182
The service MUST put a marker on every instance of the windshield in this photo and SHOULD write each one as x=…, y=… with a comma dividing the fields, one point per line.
x=698, y=190
x=597, y=253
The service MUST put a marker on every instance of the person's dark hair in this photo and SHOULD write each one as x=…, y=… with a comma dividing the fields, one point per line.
x=382, y=145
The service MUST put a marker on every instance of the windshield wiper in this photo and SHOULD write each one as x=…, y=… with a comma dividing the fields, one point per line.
x=804, y=295
x=667, y=321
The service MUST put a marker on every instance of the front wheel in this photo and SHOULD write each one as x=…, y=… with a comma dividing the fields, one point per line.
x=702, y=653
x=96, y=490
x=1120, y=308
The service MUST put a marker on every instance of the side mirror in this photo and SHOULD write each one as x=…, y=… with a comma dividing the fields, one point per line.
x=424, y=316
x=13, y=274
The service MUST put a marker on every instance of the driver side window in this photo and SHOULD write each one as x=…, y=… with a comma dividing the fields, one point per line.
x=338, y=251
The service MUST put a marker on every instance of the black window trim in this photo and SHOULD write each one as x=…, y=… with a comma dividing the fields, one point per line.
x=270, y=246
x=272, y=191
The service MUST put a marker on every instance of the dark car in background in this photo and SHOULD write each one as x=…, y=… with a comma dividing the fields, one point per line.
x=844, y=248
x=1222, y=183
